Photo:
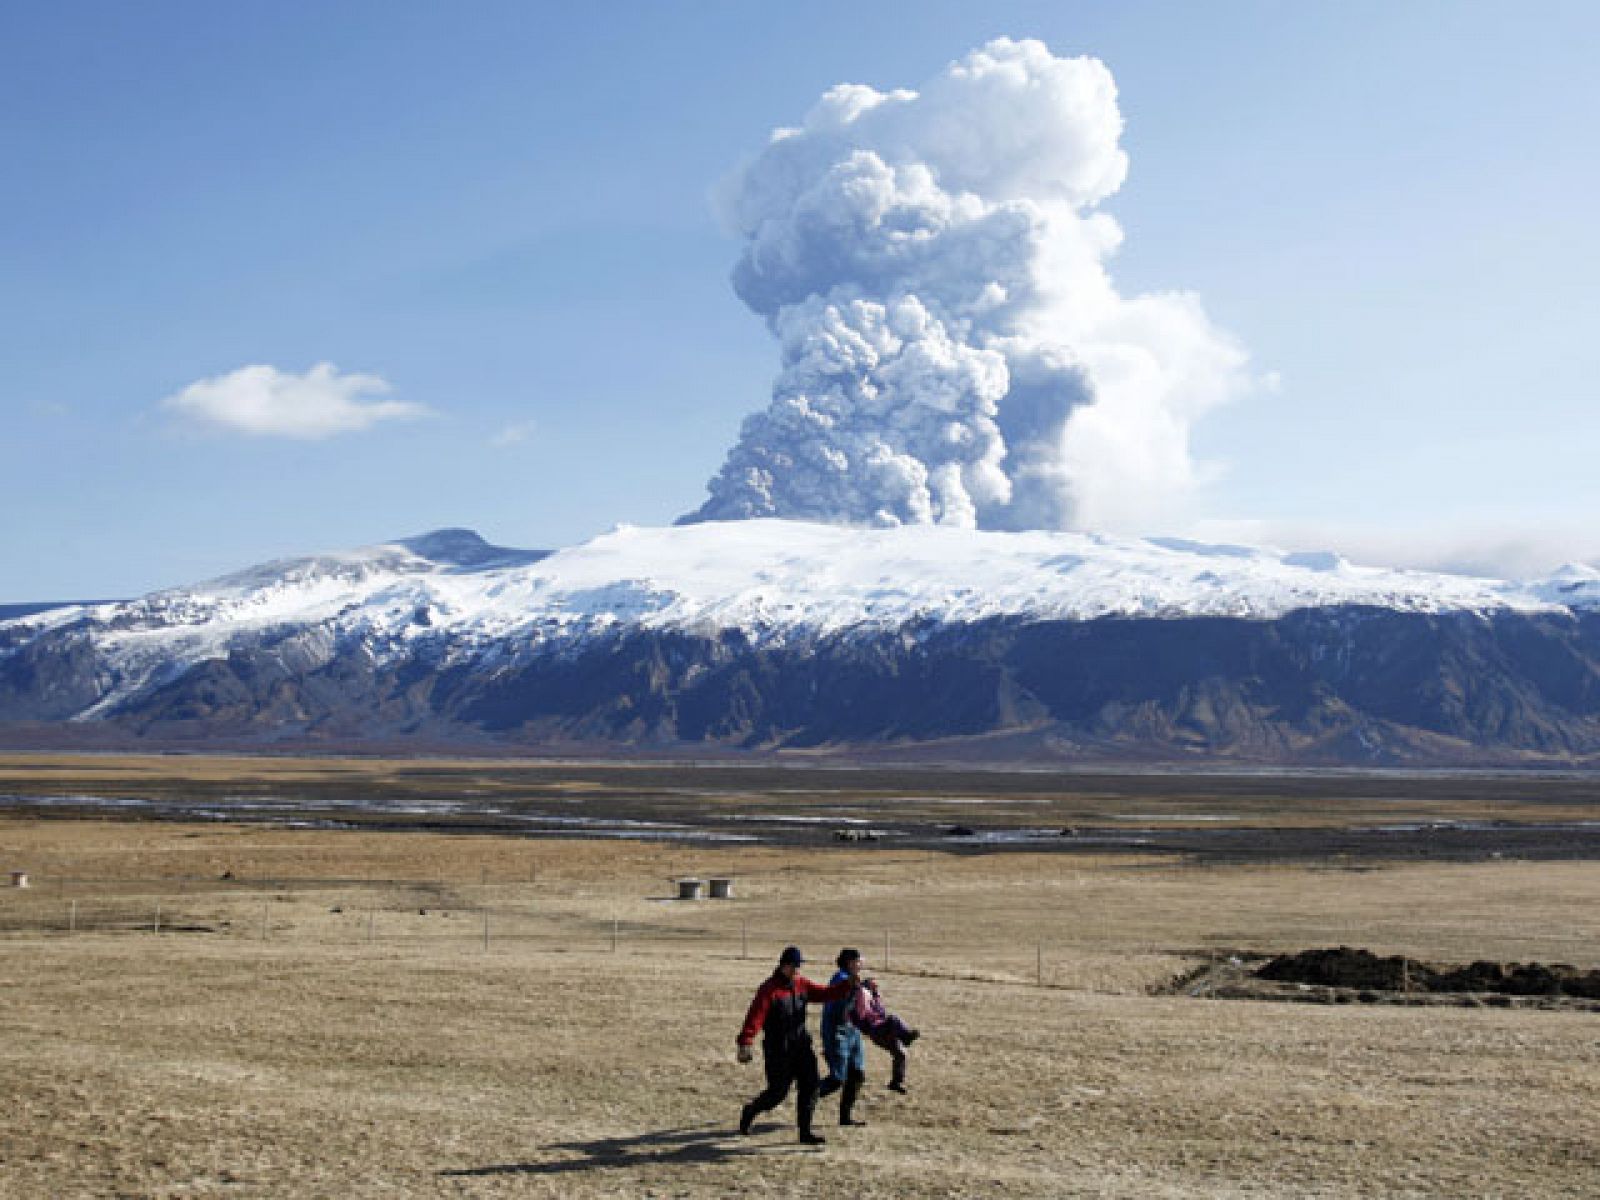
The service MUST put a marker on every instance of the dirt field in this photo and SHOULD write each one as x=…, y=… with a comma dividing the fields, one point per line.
x=321, y=1014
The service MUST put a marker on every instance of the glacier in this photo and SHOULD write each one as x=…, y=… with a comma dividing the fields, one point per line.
x=722, y=626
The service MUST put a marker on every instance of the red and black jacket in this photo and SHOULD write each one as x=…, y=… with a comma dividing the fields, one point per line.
x=778, y=1011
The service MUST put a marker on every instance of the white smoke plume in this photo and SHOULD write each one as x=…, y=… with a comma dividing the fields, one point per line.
x=932, y=264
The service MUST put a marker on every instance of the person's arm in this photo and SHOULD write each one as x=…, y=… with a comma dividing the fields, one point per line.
x=833, y=991
x=756, y=1017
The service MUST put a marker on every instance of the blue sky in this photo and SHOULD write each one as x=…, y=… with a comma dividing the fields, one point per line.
x=502, y=210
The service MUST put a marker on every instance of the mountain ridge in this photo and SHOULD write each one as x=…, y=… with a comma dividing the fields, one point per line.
x=770, y=634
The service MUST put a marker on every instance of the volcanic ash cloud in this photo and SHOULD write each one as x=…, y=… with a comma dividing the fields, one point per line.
x=953, y=351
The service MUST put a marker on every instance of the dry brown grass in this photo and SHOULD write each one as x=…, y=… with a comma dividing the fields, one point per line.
x=316, y=1062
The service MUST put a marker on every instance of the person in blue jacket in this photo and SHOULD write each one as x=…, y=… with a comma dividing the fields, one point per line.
x=841, y=1041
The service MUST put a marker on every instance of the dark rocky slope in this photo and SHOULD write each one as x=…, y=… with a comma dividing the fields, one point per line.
x=1332, y=685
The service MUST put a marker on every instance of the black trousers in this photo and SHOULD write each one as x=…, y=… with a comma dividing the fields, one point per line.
x=789, y=1064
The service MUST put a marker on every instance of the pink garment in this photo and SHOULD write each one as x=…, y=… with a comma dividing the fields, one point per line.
x=868, y=1014
x=866, y=1009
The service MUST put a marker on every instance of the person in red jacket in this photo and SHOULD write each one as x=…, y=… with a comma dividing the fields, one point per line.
x=778, y=1013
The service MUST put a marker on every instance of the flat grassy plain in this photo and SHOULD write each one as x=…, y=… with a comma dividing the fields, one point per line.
x=253, y=1010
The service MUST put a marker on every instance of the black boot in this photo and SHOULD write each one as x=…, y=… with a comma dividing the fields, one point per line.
x=747, y=1114
x=847, y=1101
x=807, y=1138
x=897, y=1077
x=897, y=1073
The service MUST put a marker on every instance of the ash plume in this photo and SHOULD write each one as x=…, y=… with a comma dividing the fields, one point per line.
x=953, y=351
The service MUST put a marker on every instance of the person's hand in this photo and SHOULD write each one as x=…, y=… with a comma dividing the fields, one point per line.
x=745, y=1054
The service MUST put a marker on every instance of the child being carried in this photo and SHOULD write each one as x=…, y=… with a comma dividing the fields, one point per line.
x=868, y=1014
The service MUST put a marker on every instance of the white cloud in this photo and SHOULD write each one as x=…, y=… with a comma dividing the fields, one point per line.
x=514, y=434
x=952, y=347
x=262, y=401
x=1494, y=550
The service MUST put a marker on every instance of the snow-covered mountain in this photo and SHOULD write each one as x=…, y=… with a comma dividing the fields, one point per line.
x=449, y=635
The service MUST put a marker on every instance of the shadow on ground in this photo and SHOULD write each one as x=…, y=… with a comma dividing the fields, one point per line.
x=705, y=1144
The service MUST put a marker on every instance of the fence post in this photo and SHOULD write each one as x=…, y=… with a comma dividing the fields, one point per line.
x=72, y=918
x=1041, y=964
x=157, y=927
x=370, y=919
x=263, y=922
x=486, y=931
x=613, y=935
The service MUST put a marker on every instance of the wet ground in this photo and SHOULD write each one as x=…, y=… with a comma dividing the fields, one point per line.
x=1335, y=816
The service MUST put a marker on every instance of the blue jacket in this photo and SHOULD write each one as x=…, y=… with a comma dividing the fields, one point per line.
x=836, y=1029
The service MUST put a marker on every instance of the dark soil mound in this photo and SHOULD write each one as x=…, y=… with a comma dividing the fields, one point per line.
x=1345, y=967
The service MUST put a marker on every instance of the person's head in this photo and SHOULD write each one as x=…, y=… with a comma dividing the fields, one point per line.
x=789, y=961
x=849, y=961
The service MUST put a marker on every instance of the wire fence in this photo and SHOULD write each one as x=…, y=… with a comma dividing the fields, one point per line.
x=1120, y=936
